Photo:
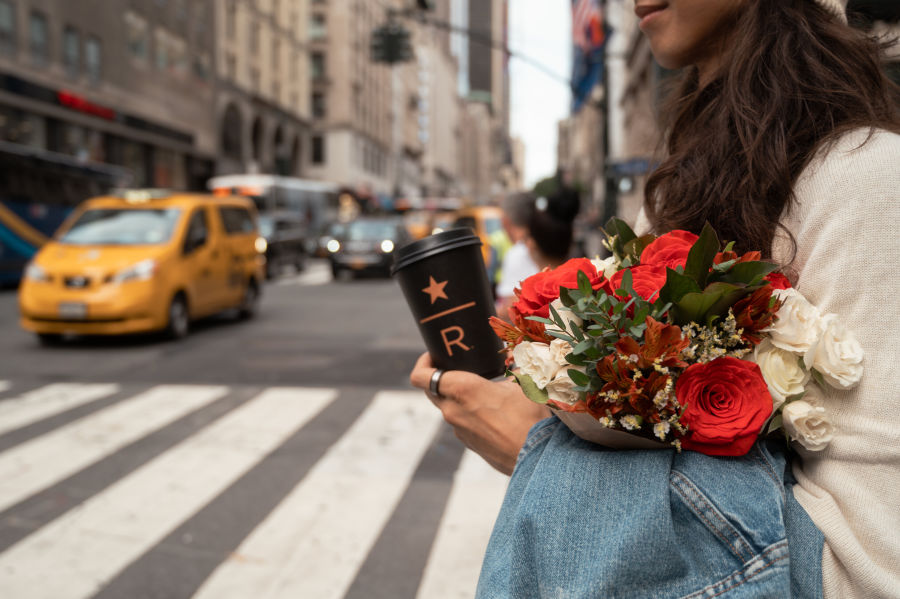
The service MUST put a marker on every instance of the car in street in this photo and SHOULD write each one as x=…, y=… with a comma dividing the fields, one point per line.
x=143, y=261
x=285, y=235
x=367, y=245
x=484, y=221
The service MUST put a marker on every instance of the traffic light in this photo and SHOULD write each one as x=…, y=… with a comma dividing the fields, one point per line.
x=391, y=44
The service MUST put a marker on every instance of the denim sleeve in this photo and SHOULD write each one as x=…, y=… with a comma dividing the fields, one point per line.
x=582, y=521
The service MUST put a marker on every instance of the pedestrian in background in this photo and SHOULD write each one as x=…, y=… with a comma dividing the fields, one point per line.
x=517, y=263
x=785, y=135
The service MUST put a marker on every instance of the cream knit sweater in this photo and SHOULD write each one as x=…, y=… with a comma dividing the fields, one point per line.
x=847, y=227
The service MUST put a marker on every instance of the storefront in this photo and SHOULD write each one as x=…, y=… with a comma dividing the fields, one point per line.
x=59, y=121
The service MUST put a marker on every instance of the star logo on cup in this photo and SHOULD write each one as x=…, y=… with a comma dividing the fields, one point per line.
x=435, y=289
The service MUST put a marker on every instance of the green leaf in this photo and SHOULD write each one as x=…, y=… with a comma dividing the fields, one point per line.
x=635, y=247
x=618, y=228
x=561, y=335
x=578, y=377
x=747, y=273
x=694, y=306
x=776, y=423
x=565, y=294
x=701, y=256
x=677, y=286
x=584, y=284
x=817, y=376
x=729, y=247
x=540, y=319
x=582, y=346
x=728, y=295
x=531, y=390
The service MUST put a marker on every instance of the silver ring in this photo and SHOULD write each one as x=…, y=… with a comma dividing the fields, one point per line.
x=434, y=382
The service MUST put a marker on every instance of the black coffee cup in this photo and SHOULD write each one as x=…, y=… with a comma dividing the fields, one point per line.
x=446, y=286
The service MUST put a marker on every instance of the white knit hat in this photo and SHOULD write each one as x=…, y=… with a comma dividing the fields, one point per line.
x=838, y=7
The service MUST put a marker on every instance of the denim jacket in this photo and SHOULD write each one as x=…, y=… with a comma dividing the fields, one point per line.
x=580, y=521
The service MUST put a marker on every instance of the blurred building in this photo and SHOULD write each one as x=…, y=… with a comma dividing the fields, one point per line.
x=266, y=73
x=129, y=87
x=351, y=96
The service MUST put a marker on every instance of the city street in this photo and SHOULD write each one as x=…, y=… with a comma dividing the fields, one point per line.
x=284, y=456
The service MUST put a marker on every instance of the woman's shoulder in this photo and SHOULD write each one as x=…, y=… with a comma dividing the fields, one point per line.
x=861, y=168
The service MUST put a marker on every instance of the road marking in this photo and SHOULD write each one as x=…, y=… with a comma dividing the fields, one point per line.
x=314, y=542
x=85, y=548
x=316, y=273
x=36, y=464
x=47, y=401
x=455, y=560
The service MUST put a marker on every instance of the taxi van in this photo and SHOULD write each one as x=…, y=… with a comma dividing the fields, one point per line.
x=144, y=261
x=484, y=221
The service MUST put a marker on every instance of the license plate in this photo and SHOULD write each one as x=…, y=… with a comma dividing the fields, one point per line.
x=357, y=264
x=72, y=310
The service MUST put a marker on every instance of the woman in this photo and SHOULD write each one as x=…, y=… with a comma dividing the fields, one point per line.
x=784, y=136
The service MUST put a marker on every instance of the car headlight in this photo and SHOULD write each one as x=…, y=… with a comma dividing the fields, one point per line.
x=333, y=246
x=33, y=272
x=141, y=271
x=387, y=246
x=261, y=245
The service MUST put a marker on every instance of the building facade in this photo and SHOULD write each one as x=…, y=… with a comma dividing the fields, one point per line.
x=130, y=87
x=265, y=68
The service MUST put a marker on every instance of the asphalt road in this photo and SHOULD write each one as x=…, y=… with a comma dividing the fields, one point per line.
x=286, y=457
x=309, y=331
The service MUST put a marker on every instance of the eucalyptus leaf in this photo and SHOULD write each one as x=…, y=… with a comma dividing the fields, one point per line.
x=531, y=390
x=748, y=273
x=578, y=377
x=582, y=346
x=776, y=423
x=635, y=247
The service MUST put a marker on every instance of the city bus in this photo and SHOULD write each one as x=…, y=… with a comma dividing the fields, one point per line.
x=38, y=190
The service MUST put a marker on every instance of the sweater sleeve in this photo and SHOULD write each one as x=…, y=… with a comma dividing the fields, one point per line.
x=845, y=228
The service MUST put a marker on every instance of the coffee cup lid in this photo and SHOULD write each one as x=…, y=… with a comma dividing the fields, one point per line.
x=433, y=244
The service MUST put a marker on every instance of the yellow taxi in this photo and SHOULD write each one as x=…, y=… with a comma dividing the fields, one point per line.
x=144, y=261
x=485, y=221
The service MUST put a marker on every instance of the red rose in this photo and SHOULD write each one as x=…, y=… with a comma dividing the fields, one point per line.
x=669, y=250
x=646, y=279
x=778, y=281
x=537, y=291
x=726, y=403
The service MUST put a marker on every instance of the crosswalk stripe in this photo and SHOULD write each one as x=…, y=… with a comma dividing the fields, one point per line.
x=89, y=545
x=32, y=466
x=47, y=401
x=455, y=560
x=313, y=543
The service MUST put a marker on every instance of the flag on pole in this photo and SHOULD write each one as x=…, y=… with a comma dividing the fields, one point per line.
x=589, y=33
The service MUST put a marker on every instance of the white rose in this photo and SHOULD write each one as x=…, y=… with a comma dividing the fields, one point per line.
x=561, y=387
x=781, y=370
x=607, y=267
x=533, y=359
x=837, y=354
x=796, y=325
x=807, y=424
x=559, y=349
x=571, y=321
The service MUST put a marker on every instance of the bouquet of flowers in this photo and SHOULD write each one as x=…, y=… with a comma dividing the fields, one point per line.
x=678, y=341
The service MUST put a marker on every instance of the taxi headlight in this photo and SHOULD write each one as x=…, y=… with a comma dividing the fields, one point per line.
x=141, y=271
x=261, y=245
x=333, y=246
x=33, y=272
x=387, y=246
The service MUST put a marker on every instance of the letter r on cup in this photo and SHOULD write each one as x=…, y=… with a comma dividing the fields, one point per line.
x=449, y=343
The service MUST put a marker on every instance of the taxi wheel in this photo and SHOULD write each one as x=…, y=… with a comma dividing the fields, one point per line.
x=250, y=301
x=49, y=338
x=179, y=319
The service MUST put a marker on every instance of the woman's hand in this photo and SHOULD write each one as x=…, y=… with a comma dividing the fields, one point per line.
x=491, y=419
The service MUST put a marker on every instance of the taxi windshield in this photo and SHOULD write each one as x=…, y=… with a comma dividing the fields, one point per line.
x=115, y=226
x=363, y=230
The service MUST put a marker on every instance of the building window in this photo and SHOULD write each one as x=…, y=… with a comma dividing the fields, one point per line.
x=7, y=28
x=318, y=149
x=318, y=105
x=39, y=39
x=71, y=53
x=93, y=59
x=317, y=29
x=136, y=31
x=317, y=65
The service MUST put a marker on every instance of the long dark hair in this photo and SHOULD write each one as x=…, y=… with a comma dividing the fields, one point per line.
x=793, y=81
